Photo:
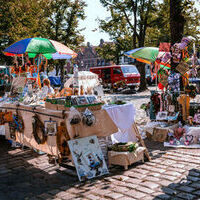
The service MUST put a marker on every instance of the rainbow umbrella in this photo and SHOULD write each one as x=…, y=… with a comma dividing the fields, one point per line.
x=144, y=54
x=34, y=46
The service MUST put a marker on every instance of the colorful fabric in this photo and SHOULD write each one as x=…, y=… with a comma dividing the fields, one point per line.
x=176, y=53
x=174, y=82
x=184, y=100
x=164, y=47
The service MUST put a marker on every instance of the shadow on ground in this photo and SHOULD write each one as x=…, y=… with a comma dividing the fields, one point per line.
x=20, y=180
x=188, y=188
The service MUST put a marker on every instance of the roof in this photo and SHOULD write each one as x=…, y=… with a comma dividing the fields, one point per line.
x=112, y=66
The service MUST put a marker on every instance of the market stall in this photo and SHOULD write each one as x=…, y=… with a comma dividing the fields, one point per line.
x=52, y=131
x=174, y=105
x=68, y=124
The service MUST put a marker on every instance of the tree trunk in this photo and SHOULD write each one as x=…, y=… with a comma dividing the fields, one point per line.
x=177, y=21
x=57, y=69
x=141, y=68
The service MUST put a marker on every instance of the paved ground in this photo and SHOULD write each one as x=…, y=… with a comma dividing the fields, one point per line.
x=172, y=174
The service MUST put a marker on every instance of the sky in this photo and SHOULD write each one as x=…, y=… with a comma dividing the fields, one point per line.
x=93, y=11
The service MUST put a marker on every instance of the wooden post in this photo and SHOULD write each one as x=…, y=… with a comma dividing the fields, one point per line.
x=141, y=140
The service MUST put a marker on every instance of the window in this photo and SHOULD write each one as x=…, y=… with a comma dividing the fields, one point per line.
x=106, y=73
x=131, y=69
x=116, y=71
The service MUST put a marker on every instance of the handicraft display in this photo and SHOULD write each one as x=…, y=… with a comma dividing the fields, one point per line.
x=50, y=127
x=88, y=158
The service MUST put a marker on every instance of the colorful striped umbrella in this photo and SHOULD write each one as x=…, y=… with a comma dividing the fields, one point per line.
x=144, y=54
x=34, y=46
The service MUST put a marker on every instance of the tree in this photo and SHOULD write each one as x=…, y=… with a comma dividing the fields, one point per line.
x=137, y=15
x=160, y=31
x=119, y=34
x=177, y=21
x=62, y=26
x=21, y=21
x=53, y=19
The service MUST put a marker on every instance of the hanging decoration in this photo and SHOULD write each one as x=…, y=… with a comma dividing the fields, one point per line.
x=62, y=138
x=37, y=126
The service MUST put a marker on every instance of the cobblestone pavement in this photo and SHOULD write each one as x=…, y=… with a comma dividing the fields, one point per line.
x=172, y=174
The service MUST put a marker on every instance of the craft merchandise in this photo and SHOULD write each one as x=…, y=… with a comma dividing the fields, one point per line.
x=176, y=53
x=74, y=116
x=17, y=125
x=184, y=43
x=166, y=57
x=37, y=126
x=164, y=47
x=163, y=77
x=160, y=134
x=184, y=100
x=156, y=102
x=88, y=158
x=197, y=117
x=174, y=82
x=62, y=137
x=50, y=127
x=123, y=147
x=182, y=67
x=88, y=117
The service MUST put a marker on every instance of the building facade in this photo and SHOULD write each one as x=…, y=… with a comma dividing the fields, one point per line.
x=88, y=57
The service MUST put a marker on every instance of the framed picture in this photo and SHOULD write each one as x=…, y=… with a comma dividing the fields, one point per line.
x=88, y=157
x=81, y=100
x=183, y=67
x=50, y=127
x=161, y=116
x=91, y=99
x=171, y=108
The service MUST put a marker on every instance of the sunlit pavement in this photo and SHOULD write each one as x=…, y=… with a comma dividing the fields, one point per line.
x=172, y=174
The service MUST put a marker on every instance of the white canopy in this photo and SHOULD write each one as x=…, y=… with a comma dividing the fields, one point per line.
x=86, y=79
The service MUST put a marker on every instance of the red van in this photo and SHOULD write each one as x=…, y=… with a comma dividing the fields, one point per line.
x=112, y=75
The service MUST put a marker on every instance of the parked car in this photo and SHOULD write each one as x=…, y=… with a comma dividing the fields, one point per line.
x=117, y=76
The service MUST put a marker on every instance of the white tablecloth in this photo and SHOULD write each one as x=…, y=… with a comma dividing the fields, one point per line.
x=123, y=116
x=2, y=130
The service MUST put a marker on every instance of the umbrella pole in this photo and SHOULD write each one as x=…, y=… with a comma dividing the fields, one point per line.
x=156, y=77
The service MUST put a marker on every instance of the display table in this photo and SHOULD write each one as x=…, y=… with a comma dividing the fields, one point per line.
x=104, y=126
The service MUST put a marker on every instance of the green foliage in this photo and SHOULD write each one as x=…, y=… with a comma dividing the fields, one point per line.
x=127, y=27
x=138, y=23
x=63, y=21
x=161, y=27
x=20, y=19
x=54, y=19
x=62, y=25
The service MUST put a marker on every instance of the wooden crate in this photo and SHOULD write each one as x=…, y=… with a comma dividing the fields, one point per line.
x=126, y=158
